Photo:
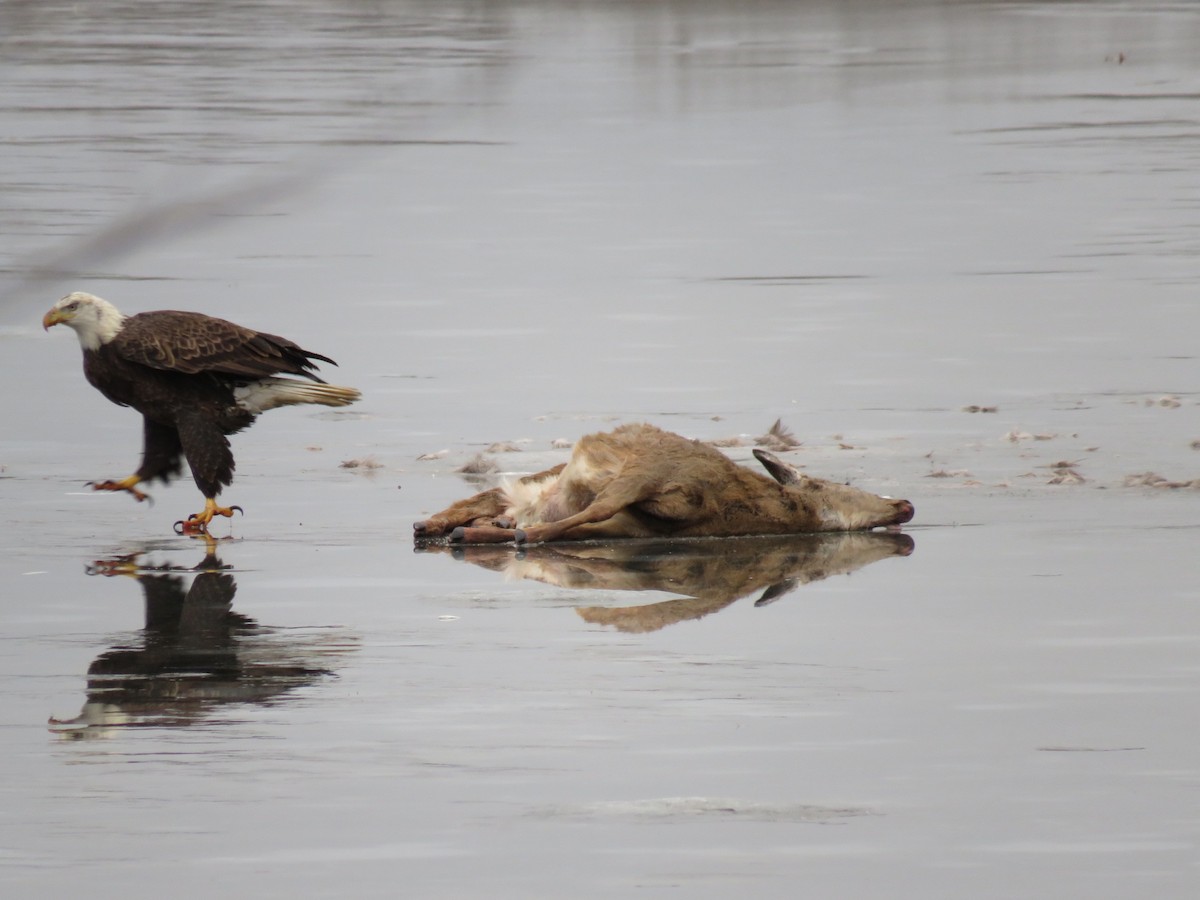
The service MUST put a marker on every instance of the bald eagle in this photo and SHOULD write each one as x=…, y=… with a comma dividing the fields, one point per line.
x=195, y=379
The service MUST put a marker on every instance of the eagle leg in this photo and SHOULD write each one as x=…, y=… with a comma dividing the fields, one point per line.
x=197, y=523
x=125, y=484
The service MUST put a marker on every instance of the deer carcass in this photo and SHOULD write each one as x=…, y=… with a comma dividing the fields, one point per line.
x=640, y=481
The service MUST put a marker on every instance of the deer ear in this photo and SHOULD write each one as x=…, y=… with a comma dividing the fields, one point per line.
x=777, y=590
x=780, y=471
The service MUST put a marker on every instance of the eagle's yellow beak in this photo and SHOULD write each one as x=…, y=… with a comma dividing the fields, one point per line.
x=54, y=317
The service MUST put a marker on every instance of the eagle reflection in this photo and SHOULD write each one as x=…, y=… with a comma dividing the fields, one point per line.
x=194, y=653
x=709, y=573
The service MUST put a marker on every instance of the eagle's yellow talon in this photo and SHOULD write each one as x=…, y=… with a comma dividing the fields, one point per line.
x=125, y=484
x=197, y=523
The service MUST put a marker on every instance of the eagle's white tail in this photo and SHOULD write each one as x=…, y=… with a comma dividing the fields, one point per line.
x=268, y=393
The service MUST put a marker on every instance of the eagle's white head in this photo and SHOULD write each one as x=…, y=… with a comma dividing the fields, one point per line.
x=96, y=321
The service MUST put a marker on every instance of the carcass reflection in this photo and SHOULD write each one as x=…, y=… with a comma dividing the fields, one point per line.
x=709, y=573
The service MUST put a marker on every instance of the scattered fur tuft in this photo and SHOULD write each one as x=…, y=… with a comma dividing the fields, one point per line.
x=478, y=465
x=777, y=438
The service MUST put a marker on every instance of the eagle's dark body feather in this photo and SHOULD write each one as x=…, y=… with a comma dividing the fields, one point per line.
x=190, y=343
x=179, y=370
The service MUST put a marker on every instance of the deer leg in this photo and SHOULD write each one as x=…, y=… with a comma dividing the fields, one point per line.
x=621, y=493
x=481, y=534
x=485, y=508
x=621, y=525
x=479, y=508
x=554, y=531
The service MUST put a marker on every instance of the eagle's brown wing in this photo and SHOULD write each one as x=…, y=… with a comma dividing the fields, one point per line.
x=191, y=343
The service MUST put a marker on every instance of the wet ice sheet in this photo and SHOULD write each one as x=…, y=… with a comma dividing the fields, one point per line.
x=863, y=218
x=941, y=718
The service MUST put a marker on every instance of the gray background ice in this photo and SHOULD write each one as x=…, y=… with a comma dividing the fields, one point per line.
x=524, y=221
